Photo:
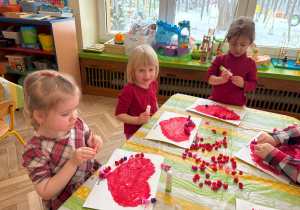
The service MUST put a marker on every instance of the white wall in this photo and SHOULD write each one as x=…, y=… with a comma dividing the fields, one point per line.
x=85, y=13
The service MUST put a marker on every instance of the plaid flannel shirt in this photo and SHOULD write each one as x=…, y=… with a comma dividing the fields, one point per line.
x=44, y=157
x=284, y=163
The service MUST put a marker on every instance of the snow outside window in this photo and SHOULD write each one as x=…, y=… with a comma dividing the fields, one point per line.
x=275, y=20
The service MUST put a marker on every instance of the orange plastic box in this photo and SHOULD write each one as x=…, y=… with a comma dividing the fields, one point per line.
x=10, y=8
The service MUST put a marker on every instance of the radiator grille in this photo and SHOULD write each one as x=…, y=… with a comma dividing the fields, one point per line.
x=109, y=78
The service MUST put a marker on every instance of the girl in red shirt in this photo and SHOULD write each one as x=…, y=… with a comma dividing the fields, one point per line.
x=140, y=91
x=231, y=89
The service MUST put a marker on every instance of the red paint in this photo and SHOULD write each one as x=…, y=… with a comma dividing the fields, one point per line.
x=129, y=182
x=218, y=111
x=173, y=129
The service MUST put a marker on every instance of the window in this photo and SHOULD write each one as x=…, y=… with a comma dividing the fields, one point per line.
x=275, y=20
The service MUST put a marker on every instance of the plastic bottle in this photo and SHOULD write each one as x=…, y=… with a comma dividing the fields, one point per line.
x=169, y=181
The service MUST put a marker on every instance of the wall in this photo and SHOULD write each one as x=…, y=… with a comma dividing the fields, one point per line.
x=85, y=13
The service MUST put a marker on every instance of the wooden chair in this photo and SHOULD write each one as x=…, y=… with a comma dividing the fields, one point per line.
x=8, y=107
x=2, y=70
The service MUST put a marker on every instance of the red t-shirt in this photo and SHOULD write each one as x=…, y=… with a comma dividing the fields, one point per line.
x=133, y=101
x=229, y=93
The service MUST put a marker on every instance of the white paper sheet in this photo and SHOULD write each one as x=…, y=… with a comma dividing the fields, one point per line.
x=245, y=155
x=101, y=198
x=201, y=101
x=156, y=132
x=245, y=205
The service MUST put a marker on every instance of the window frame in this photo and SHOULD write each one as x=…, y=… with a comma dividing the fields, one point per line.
x=245, y=8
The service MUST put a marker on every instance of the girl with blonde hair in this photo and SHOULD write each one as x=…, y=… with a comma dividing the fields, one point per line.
x=59, y=157
x=140, y=91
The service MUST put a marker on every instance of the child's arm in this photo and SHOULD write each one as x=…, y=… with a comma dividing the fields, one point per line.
x=54, y=185
x=251, y=79
x=125, y=118
x=282, y=162
x=289, y=135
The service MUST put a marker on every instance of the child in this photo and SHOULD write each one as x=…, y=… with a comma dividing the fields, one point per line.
x=59, y=156
x=286, y=164
x=231, y=90
x=140, y=91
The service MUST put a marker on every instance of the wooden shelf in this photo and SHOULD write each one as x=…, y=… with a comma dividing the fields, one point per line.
x=20, y=49
x=28, y=71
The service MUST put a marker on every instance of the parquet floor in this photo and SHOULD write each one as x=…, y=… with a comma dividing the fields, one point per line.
x=16, y=190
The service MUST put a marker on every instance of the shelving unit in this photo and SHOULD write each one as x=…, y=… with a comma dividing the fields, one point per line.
x=63, y=33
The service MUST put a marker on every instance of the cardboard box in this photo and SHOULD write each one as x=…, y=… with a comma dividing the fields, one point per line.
x=16, y=62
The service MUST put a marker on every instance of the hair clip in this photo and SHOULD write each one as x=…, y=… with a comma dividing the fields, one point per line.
x=51, y=75
x=40, y=74
x=242, y=25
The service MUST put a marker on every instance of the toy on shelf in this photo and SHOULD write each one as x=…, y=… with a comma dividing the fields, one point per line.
x=163, y=37
x=119, y=38
x=281, y=55
x=262, y=61
x=196, y=53
x=56, y=10
x=207, y=46
x=220, y=45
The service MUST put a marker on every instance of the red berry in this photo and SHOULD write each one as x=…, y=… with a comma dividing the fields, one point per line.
x=187, y=150
x=200, y=184
x=116, y=163
x=201, y=139
x=240, y=172
x=195, y=180
x=137, y=155
x=236, y=179
x=197, y=176
x=142, y=154
x=216, y=148
x=203, y=150
x=241, y=185
x=225, y=186
x=233, y=173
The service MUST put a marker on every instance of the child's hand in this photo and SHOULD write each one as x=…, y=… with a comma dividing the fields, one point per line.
x=82, y=154
x=238, y=81
x=262, y=150
x=95, y=142
x=143, y=118
x=225, y=76
x=266, y=138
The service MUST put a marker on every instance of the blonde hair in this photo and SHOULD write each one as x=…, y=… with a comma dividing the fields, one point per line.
x=241, y=26
x=142, y=55
x=44, y=89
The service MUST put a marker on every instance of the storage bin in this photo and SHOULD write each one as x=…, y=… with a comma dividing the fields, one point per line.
x=132, y=41
x=42, y=64
x=16, y=62
x=46, y=41
x=111, y=47
x=17, y=36
x=31, y=6
x=10, y=8
x=29, y=34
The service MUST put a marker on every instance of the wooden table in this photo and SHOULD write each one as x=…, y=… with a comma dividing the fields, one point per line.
x=259, y=187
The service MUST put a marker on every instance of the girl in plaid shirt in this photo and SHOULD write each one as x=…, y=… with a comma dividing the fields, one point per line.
x=59, y=156
x=265, y=148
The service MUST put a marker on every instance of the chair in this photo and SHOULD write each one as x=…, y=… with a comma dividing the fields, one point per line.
x=2, y=70
x=8, y=107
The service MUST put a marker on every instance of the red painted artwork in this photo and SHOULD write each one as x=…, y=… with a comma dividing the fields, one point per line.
x=173, y=129
x=218, y=111
x=290, y=150
x=128, y=183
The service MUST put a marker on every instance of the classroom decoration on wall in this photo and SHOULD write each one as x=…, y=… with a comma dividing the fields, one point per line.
x=218, y=111
x=247, y=154
x=245, y=205
x=176, y=129
x=129, y=180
